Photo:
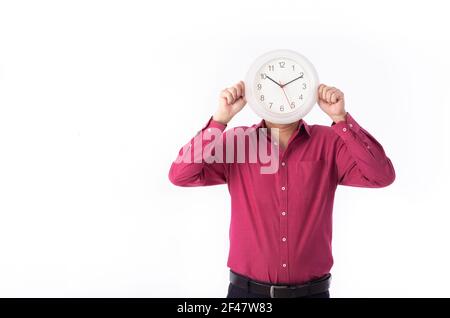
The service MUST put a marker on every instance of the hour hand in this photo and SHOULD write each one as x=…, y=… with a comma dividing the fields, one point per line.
x=274, y=81
x=301, y=76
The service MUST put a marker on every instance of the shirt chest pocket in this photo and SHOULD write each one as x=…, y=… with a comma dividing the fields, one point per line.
x=311, y=173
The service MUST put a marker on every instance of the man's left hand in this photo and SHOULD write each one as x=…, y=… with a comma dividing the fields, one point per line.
x=331, y=101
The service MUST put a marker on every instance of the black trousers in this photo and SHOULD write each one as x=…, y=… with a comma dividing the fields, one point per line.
x=237, y=292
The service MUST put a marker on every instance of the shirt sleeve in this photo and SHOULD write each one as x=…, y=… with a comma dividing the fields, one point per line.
x=196, y=164
x=360, y=158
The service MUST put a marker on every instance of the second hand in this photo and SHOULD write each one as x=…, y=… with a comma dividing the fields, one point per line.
x=285, y=95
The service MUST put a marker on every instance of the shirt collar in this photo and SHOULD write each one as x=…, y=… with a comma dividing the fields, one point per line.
x=302, y=123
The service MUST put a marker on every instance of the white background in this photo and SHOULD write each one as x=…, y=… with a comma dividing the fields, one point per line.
x=96, y=98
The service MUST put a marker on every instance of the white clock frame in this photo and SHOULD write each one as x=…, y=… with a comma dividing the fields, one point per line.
x=280, y=118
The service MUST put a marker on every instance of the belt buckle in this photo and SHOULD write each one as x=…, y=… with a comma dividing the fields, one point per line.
x=273, y=287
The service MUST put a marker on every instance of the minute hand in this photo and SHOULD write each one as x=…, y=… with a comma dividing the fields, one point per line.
x=301, y=76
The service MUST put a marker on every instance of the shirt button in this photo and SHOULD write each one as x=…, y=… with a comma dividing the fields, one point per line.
x=344, y=129
x=284, y=265
x=283, y=163
x=283, y=188
x=284, y=239
x=283, y=213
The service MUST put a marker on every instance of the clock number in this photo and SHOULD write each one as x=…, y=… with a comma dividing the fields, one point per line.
x=292, y=105
x=293, y=67
x=300, y=97
x=304, y=85
x=270, y=105
x=281, y=108
x=263, y=76
x=261, y=98
x=301, y=74
x=259, y=86
x=282, y=63
x=271, y=68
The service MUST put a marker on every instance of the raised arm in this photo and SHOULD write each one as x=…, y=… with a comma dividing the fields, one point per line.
x=198, y=162
x=360, y=159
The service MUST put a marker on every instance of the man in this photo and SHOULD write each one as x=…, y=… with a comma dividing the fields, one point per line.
x=281, y=223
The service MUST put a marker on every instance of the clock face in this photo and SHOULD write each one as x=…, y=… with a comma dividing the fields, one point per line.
x=281, y=86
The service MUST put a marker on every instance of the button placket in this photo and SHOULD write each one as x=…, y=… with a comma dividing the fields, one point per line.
x=283, y=215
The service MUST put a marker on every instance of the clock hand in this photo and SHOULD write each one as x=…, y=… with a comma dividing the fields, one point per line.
x=293, y=80
x=273, y=81
x=285, y=95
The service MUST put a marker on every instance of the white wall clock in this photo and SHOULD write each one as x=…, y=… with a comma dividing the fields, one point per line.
x=281, y=86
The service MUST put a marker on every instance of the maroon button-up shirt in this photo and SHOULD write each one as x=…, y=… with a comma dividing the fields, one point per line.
x=281, y=223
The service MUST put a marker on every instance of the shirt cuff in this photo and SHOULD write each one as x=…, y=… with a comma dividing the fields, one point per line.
x=344, y=127
x=215, y=124
x=211, y=123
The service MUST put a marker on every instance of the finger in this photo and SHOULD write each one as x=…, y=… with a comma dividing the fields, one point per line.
x=233, y=92
x=321, y=87
x=230, y=97
x=324, y=92
x=223, y=94
x=243, y=88
x=227, y=95
x=329, y=92
x=338, y=95
x=238, y=90
x=333, y=98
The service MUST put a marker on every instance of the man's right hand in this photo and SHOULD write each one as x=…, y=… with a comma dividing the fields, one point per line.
x=231, y=101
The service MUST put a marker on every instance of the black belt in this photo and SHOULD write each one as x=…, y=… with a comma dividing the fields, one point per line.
x=313, y=287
